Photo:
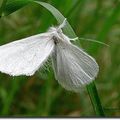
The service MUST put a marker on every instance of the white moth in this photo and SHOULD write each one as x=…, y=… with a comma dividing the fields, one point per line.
x=72, y=66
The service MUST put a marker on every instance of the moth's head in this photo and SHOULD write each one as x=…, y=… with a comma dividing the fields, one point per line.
x=55, y=30
x=58, y=29
x=57, y=33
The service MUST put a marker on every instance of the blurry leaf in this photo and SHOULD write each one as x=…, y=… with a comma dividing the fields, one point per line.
x=3, y=94
x=2, y=6
x=14, y=5
x=10, y=97
x=106, y=27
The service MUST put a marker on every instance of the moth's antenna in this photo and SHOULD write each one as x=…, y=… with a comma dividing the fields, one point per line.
x=63, y=24
x=92, y=40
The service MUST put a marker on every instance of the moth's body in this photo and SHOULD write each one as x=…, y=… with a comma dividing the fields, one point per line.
x=57, y=35
x=72, y=66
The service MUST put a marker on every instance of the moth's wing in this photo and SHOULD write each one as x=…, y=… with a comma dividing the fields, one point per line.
x=73, y=67
x=25, y=56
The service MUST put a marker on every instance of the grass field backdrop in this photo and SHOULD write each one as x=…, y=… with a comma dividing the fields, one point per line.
x=41, y=95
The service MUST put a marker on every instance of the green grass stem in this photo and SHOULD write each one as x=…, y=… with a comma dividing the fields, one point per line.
x=95, y=100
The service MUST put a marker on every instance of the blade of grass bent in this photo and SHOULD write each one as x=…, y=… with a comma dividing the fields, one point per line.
x=60, y=18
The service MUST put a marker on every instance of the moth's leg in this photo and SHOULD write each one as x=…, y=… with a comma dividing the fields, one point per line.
x=74, y=39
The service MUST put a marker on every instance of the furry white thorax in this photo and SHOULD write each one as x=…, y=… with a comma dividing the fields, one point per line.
x=57, y=34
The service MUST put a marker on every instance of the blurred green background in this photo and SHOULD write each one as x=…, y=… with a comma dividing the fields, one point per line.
x=41, y=95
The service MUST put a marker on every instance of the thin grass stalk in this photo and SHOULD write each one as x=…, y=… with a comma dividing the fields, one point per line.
x=95, y=100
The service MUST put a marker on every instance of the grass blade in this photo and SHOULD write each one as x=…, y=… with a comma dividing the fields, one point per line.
x=95, y=100
x=60, y=18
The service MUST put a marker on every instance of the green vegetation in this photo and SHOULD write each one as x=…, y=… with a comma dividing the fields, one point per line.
x=41, y=95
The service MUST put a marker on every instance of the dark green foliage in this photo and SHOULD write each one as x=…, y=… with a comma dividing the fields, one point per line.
x=14, y=5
